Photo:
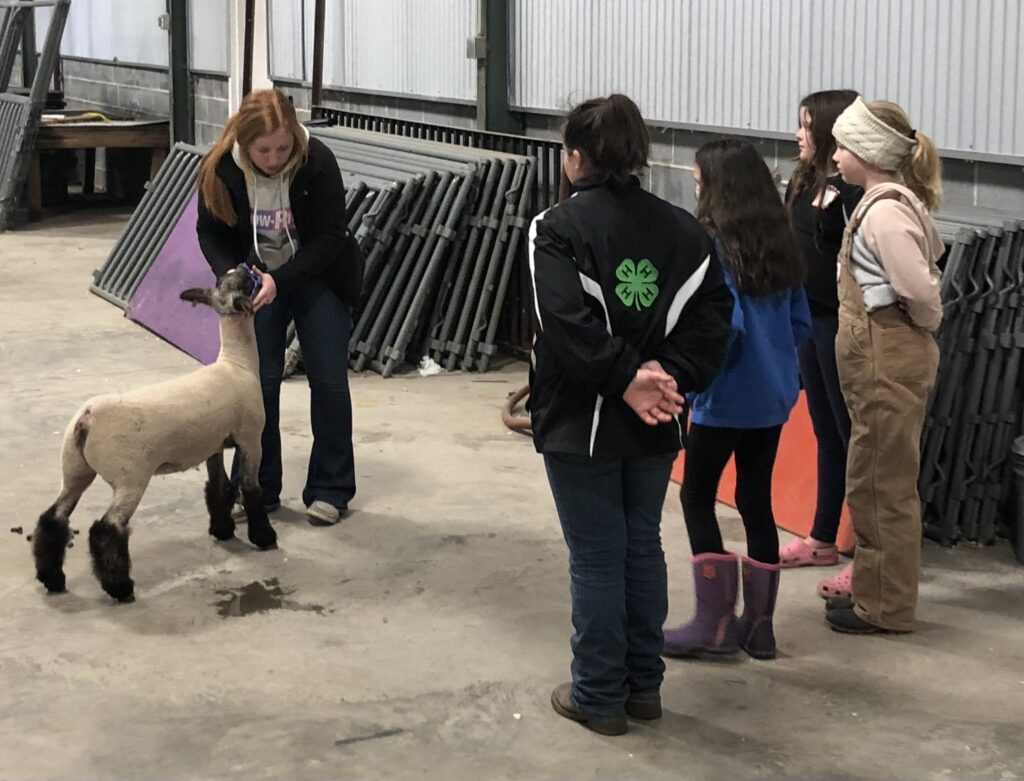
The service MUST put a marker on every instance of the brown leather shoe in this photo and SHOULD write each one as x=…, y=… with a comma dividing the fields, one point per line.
x=838, y=603
x=562, y=702
x=846, y=621
x=644, y=706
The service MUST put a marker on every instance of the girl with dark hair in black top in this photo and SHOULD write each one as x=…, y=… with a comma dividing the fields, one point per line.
x=820, y=203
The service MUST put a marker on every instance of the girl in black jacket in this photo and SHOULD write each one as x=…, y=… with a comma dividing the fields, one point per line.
x=271, y=196
x=632, y=311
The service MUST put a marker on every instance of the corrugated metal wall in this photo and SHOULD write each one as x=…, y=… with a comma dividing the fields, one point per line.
x=209, y=44
x=957, y=66
x=407, y=47
x=121, y=30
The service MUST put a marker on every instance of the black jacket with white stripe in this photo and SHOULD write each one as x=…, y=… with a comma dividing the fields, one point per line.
x=620, y=277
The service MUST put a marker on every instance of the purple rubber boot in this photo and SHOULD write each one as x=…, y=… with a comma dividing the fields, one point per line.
x=713, y=630
x=760, y=587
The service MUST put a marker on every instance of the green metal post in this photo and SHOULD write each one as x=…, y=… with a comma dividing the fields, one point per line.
x=183, y=129
x=492, y=109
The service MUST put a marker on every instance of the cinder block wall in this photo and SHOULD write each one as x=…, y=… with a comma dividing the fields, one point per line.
x=967, y=184
x=143, y=91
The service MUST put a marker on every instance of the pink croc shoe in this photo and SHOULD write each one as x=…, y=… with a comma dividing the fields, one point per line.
x=797, y=553
x=839, y=585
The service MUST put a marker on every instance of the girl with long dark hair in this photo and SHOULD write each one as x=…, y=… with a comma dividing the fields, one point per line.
x=742, y=413
x=820, y=203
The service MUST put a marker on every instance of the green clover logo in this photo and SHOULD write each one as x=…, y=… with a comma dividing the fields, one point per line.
x=637, y=283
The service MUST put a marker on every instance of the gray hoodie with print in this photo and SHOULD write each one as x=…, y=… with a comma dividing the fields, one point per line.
x=273, y=225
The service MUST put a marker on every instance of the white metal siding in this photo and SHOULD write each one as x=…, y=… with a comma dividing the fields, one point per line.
x=209, y=38
x=957, y=66
x=406, y=47
x=287, y=38
x=121, y=30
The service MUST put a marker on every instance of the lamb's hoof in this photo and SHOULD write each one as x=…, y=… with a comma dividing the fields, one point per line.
x=264, y=539
x=122, y=592
x=55, y=583
x=223, y=535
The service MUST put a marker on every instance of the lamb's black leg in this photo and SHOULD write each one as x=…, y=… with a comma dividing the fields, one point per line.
x=111, y=563
x=49, y=542
x=220, y=498
x=52, y=535
x=108, y=543
x=261, y=533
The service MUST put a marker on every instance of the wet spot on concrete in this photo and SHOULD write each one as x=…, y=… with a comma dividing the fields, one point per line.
x=387, y=733
x=261, y=597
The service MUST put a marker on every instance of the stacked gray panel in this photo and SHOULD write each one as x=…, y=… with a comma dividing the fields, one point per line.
x=440, y=227
x=20, y=115
x=441, y=240
x=151, y=223
x=974, y=412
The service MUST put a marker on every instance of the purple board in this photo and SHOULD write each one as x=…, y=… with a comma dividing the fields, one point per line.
x=178, y=266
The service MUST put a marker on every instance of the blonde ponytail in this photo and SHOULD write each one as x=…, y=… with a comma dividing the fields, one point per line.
x=922, y=172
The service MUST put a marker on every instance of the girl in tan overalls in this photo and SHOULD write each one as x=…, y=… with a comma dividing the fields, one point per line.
x=889, y=308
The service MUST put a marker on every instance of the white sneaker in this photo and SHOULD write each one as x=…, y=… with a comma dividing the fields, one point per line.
x=324, y=514
x=239, y=516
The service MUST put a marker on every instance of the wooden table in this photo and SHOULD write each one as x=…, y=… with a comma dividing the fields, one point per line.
x=90, y=135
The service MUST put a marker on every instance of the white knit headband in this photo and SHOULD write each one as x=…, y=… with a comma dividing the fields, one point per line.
x=871, y=139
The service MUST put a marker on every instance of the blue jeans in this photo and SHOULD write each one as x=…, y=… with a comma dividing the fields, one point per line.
x=611, y=519
x=323, y=324
x=830, y=420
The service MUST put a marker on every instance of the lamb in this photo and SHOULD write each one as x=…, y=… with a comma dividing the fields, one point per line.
x=159, y=429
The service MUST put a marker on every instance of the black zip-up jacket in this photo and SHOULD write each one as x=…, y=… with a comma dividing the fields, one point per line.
x=620, y=277
x=327, y=250
x=819, y=233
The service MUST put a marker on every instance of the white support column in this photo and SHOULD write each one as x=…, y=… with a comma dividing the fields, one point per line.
x=261, y=48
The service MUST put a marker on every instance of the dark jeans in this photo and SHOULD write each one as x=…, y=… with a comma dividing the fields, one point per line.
x=611, y=519
x=830, y=420
x=323, y=324
x=708, y=449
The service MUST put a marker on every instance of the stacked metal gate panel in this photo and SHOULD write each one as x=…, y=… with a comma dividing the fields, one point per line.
x=974, y=412
x=440, y=226
x=152, y=221
x=441, y=240
x=20, y=114
x=517, y=327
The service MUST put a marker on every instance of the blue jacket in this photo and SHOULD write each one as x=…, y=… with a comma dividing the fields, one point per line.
x=759, y=381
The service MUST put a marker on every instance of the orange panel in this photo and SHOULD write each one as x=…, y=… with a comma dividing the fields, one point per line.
x=794, y=482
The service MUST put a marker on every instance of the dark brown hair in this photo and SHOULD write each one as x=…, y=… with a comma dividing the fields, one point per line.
x=823, y=108
x=262, y=112
x=741, y=207
x=611, y=135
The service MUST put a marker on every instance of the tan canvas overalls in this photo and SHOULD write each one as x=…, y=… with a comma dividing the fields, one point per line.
x=887, y=366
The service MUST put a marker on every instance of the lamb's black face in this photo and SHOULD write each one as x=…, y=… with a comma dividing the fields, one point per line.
x=231, y=296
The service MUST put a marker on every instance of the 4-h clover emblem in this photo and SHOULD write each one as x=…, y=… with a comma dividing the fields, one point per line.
x=637, y=283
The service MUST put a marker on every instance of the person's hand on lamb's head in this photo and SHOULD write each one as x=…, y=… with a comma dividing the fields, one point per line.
x=267, y=291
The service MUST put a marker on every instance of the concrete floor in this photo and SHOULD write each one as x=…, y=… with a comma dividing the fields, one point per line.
x=421, y=638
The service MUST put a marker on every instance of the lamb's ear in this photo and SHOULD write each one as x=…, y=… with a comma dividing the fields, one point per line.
x=197, y=295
